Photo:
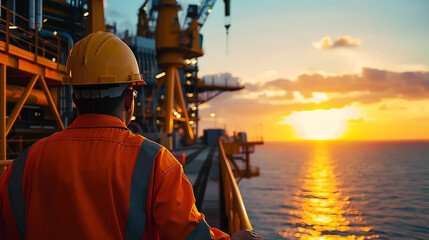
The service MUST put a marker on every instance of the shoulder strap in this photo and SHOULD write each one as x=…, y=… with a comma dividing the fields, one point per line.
x=14, y=187
x=139, y=189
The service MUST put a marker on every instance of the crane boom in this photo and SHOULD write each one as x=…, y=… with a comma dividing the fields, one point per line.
x=204, y=10
x=201, y=11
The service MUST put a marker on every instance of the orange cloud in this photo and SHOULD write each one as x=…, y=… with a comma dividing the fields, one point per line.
x=371, y=89
x=368, y=87
x=369, y=83
x=343, y=41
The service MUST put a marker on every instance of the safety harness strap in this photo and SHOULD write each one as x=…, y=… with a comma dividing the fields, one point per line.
x=201, y=231
x=139, y=189
x=16, y=197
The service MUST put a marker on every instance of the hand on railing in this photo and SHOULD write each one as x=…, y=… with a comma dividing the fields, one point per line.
x=246, y=235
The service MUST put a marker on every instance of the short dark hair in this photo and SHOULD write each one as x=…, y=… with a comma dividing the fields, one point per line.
x=99, y=105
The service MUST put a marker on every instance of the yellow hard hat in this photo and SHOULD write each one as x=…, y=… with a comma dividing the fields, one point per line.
x=101, y=58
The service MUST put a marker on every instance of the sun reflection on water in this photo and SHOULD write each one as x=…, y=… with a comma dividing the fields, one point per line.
x=322, y=211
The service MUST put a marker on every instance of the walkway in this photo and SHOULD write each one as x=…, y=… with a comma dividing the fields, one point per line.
x=202, y=170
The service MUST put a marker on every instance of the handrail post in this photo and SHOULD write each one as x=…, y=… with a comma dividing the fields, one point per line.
x=58, y=51
x=7, y=28
x=36, y=31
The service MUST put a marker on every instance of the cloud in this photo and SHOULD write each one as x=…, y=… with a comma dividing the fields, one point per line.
x=359, y=120
x=370, y=86
x=385, y=91
x=384, y=107
x=412, y=67
x=370, y=82
x=343, y=41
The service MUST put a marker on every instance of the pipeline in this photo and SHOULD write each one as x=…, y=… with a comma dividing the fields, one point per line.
x=37, y=97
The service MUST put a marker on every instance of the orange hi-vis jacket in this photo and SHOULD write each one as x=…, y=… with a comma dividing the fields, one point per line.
x=97, y=180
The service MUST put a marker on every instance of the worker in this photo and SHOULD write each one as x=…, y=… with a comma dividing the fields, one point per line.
x=96, y=179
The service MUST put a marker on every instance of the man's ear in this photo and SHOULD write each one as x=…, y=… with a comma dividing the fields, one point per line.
x=75, y=102
x=129, y=101
x=74, y=98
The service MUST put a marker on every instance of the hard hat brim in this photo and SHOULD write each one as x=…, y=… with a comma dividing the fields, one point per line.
x=135, y=79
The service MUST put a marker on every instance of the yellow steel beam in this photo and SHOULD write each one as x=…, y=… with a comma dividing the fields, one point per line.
x=51, y=102
x=95, y=20
x=18, y=106
x=20, y=61
x=2, y=113
x=159, y=84
x=181, y=103
x=169, y=104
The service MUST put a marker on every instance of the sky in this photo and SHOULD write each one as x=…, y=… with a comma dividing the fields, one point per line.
x=355, y=70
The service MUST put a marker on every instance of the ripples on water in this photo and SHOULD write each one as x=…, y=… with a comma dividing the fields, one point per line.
x=334, y=190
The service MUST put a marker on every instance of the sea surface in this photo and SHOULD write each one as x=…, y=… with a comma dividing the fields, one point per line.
x=339, y=190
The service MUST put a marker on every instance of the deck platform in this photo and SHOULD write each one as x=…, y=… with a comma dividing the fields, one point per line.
x=203, y=172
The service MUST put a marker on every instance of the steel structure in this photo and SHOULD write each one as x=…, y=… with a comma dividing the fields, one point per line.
x=26, y=58
x=168, y=102
x=173, y=46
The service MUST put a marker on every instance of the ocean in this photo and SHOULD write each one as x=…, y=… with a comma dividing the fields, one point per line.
x=339, y=190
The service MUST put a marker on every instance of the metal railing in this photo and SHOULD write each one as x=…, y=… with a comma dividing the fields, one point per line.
x=6, y=162
x=234, y=206
x=256, y=139
x=27, y=38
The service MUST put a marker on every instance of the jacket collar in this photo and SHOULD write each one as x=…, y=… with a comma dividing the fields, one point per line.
x=97, y=121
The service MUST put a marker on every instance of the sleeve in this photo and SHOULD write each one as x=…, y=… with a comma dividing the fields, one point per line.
x=4, y=203
x=2, y=221
x=174, y=210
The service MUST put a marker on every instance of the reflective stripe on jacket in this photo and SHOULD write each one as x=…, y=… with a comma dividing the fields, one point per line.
x=91, y=181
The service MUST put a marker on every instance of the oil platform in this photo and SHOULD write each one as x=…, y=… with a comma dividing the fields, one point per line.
x=35, y=38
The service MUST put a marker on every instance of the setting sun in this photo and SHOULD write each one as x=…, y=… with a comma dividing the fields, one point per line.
x=321, y=124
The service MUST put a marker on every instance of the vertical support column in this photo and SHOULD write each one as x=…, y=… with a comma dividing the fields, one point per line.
x=95, y=20
x=196, y=83
x=2, y=113
x=181, y=103
x=167, y=138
